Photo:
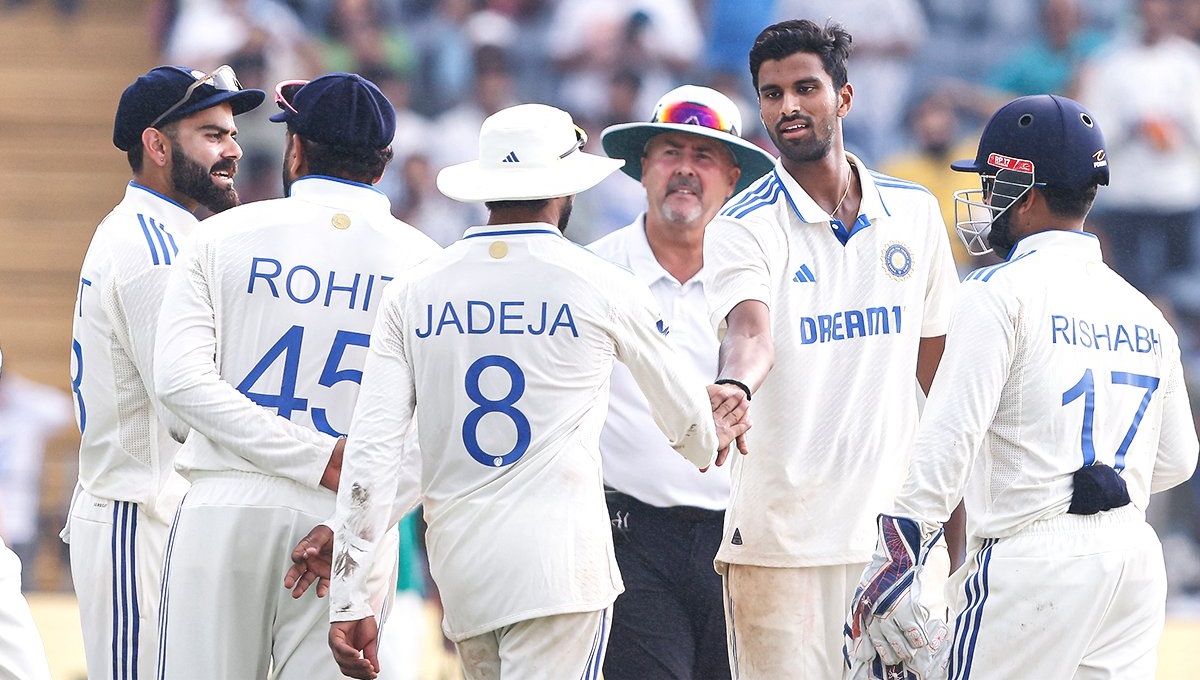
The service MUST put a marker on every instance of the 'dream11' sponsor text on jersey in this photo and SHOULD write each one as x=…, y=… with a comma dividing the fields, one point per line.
x=850, y=324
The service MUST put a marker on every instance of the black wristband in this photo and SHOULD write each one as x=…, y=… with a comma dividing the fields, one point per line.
x=731, y=381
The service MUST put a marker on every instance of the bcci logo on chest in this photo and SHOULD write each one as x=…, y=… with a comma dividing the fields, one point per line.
x=897, y=260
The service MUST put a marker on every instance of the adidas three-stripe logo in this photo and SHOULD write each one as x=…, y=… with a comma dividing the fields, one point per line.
x=804, y=275
x=511, y=158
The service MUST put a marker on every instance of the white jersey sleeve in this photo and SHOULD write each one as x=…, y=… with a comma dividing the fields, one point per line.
x=136, y=306
x=656, y=369
x=974, y=368
x=190, y=384
x=371, y=467
x=1177, y=441
x=743, y=258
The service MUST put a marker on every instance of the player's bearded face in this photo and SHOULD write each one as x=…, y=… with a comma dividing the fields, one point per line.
x=288, y=154
x=799, y=106
x=195, y=180
x=1000, y=236
x=565, y=215
x=811, y=148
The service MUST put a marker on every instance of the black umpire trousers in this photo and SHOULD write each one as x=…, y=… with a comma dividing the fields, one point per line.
x=670, y=622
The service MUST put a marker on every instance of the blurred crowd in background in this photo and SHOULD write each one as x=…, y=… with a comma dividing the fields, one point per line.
x=926, y=74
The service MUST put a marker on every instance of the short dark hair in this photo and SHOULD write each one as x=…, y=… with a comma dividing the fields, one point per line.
x=354, y=163
x=530, y=205
x=134, y=155
x=777, y=41
x=1073, y=203
x=135, y=158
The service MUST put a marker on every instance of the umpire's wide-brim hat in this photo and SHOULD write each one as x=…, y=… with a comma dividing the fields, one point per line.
x=526, y=152
x=695, y=110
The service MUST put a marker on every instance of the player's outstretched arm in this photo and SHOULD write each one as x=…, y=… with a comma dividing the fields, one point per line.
x=311, y=562
x=886, y=617
x=746, y=356
x=748, y=350
x=674, y=390
x=355, y=646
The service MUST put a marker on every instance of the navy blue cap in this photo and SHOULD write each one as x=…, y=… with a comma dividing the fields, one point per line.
x=341, y=108
x=1056, y=135
x=156, y=92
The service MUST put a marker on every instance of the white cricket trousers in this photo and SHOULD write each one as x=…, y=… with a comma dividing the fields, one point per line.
x=225, y=611
x=1079, y=597
x=569, y=646
x=116, y=564
x=788, y=622
x=22, y=656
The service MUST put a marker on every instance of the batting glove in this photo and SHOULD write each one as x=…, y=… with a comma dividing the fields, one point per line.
x=886, y=615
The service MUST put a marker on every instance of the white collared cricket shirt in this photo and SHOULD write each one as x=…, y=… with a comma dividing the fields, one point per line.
x=1052, y=362
x=835, y=418
x=126, y=449
x=268, y=325
x=503, y=346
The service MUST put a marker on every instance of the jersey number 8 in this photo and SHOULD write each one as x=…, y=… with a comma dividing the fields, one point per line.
x=505, y=405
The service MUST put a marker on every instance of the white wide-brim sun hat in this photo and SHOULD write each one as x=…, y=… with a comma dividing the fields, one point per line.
x=526, y=152
x=695, y=110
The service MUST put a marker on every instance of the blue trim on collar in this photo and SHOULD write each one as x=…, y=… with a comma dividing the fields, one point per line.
x=339, y=180
x=764, y=194
x=843, y=235
x=509, y=232
x=165, y=198
x=985, y=273
x=788, y=196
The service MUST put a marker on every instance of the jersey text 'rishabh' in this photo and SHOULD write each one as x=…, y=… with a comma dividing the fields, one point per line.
x=1089, y=334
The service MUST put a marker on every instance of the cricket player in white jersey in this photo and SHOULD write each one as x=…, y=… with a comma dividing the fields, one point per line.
x=177, y=127
x=1060, y=407
x=22, y=656
x=667, y=516
x=503, y=345
x=843, y=278
x=262, y=356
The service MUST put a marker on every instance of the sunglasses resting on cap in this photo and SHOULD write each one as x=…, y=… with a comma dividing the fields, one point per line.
x=223, y=78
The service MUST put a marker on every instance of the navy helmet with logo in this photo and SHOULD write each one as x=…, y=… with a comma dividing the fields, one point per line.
x=1038, y=140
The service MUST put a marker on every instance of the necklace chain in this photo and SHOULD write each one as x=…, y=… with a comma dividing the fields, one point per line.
x=849, y=181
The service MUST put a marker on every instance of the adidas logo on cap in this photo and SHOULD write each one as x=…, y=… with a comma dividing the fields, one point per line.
x=511, y=158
